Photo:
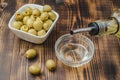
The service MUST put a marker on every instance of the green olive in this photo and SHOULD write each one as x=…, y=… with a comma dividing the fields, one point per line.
x=47, y=8
x=16, y=24
x=44, y=16
x=24, y=28
x=37, y=25
x=32, y=17
x=50, y=64
x=27, y=11
x=31, y=53
x=18, y=16
x=47, y=24
x=41, y=11
x=20, y=23
x=30, y=23
x=25, y=19
x=32, y=31
x=36, y=12
x=34, y=69
x=38, y=19
x=41, y=32
x=52, y=15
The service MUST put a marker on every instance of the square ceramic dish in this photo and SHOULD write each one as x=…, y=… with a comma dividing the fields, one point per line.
x=29, y=37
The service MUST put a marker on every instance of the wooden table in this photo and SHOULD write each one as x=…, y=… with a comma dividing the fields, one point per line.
x=105, y=64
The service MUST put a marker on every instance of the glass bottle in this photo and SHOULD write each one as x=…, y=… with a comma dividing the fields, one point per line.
x=110, y=26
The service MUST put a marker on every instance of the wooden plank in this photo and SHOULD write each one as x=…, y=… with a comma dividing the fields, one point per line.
x=73, y=14
x=6, y=48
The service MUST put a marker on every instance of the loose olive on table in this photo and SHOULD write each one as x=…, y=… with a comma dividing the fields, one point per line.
x=50, y=64
x=34, y=69
x=31, y=53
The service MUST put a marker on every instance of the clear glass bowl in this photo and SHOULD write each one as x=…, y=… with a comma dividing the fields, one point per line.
x=74, y=50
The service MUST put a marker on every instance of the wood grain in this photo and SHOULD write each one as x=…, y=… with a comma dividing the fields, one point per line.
x=74, y=14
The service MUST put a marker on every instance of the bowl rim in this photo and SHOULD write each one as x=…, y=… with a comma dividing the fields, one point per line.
x=66, y=62
x=35, y=36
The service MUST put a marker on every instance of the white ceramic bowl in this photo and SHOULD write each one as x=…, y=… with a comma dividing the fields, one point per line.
x=29, y=37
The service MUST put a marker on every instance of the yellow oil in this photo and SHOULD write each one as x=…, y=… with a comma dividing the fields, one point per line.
x=111, y=26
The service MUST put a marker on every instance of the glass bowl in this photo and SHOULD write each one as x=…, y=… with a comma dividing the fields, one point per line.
x=74, y=50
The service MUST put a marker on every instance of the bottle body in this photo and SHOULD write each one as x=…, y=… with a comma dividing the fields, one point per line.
x=116, y=14
x=110, y=26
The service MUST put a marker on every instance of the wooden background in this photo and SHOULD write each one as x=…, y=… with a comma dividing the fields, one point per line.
x=105, y=64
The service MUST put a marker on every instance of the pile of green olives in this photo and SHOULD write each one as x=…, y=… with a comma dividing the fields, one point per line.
x=34, y=21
